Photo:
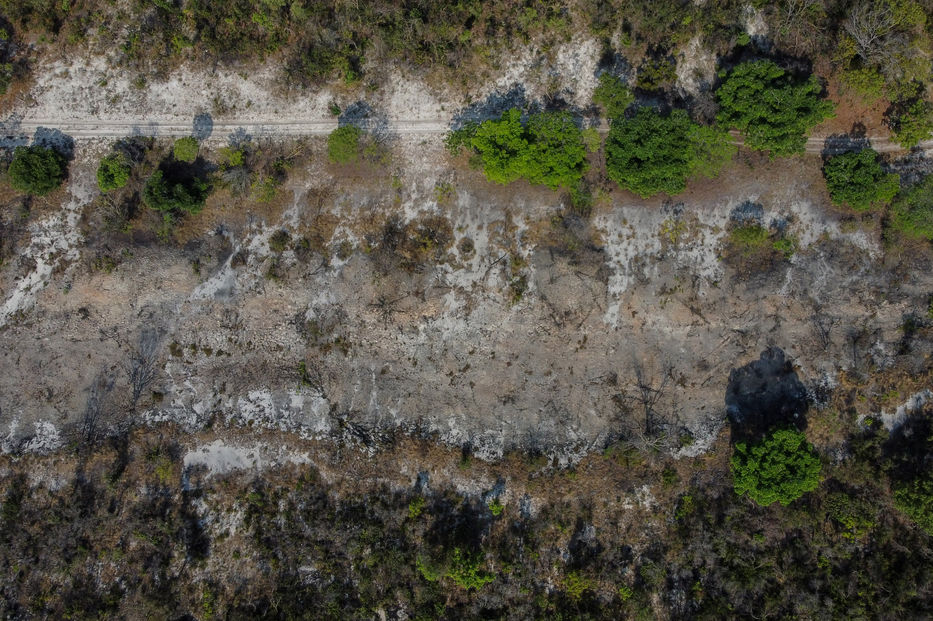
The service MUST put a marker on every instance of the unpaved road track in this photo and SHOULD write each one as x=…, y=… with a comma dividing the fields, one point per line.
x=89, y=129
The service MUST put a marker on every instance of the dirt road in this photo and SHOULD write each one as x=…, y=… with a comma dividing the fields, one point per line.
x=221, y=130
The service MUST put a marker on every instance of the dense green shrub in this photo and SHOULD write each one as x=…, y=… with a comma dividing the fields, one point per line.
x=175, y=197
x=773, y=108
x=912, y=122
x=186, y=149
x=652, y=152
x=548, y=149
x=343, y=144
x=113, y=172
x=912, y=211
x=856, y=179
x=916, y=500
x=37, y=170
x=464, y=570
x=780, y=468
x=613, y=95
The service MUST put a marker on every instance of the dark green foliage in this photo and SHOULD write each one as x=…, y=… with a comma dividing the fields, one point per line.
x=37, y=170
x=186, y=149
x=780, y=468
x=774, y=109
x=343, y=144
x=912, y=122
x=912, y=212
x=856, y=179
x=547, y=149
x=175, y=196
x=656, y=72
x=613, y=96
x=113, y=172
x=652, y=152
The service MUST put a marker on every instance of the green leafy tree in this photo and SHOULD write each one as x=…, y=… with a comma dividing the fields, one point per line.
x=912, y=212
x=772, y=108
x=173, y=197
x=856, y=179
x=916, y=500
x=502, y=147
x=464, y=570
x=343, y=144
x=912, y=122
x=652, y=152
x=186, y=149
x=546, y=150
x=113, y=172
x=37, y=170
x=613, y=96
x=558, y=155
x=780, y=468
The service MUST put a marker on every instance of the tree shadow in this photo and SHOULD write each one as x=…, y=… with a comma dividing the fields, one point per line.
x=202, y=126
x=747, y=213
x=492, y=106
x=361, y=114
x=239, y=138
x=763, y=395
x=56, y=140
x=910, y=446
x=855, y=140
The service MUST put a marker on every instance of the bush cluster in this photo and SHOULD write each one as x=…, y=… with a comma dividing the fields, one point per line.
x=37, y=170
x=781, y=468
x=546, y=149
x=653, y=152
x=856, y=179
x=773, y=108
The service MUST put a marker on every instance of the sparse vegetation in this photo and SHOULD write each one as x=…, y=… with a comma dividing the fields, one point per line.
x=613, y=96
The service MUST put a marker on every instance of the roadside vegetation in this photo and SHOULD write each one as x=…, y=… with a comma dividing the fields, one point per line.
x=772, y=108
x=37, y=170
x=857, y=179
x=546, y=148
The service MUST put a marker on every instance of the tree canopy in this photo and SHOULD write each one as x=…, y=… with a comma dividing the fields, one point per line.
x=548, y=149
x=343, y=144
x=856, y=179
x=612, y=95
x=653, y=152
x=774, y=109
x=780, y=468
x=113, y=172
x=912, y=211
x=175, y=196
x=186, y=149
x=37, y=170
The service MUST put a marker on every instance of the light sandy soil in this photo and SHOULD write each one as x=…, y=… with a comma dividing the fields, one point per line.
x=445, y=351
